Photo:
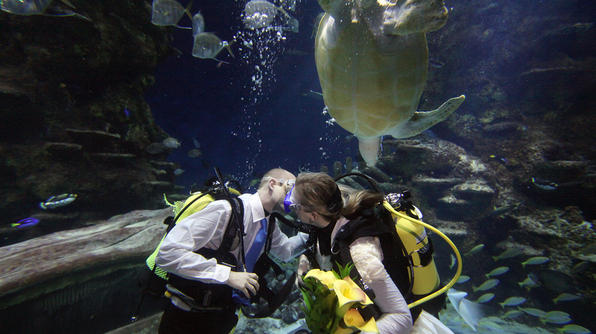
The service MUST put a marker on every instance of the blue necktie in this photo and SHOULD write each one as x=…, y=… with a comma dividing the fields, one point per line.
x=255, y=249
x=251, y=258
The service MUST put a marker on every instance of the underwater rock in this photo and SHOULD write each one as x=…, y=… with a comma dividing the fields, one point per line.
x=84, y=135
x=474, y=190
x=113, y=157
x=561, y=170
x=148, y=325
x=377, y=174
x=72, y=81
x=504, y=128
x=94, y=140
x=435, y=184
x=68, y=268
x=163, y=164
x=466, y=200
x=29, y=263
x=65, y=150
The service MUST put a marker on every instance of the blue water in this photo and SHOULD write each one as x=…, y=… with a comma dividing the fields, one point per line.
x=243, y=127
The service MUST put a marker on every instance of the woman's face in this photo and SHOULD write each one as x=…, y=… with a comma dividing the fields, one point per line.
x=305, y=214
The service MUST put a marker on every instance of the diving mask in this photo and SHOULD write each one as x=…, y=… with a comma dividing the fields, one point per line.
x=290, y=201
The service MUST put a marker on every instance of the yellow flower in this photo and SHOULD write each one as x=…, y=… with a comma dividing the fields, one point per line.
x=342, y=330
x=326, y=277
x=352, y=318
x=367, y=300
x=347, y=296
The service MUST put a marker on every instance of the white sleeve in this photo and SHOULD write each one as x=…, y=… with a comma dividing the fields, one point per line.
x=367, y=256
x=204, y=228
x=285, y=248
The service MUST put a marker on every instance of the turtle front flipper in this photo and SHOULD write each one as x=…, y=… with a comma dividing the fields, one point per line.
x=414, y=16
x=424, y=120
x=369, y=149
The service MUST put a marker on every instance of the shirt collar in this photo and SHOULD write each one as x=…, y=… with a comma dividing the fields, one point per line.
x=256, y=207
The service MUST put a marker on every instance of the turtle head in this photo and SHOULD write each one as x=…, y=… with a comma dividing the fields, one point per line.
x=414, y=16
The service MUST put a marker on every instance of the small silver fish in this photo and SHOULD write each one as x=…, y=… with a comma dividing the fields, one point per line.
x=497, y=272
x=512, y=314
x=462, y=279
x=171, y=143
x=259, y=14
x=513, y=301
x=544, y=184
x=508, y=253
x=58, y=201
x=452, y=263
x=485, y=298
x=39, y=7
x=178, y=171
x=556, y=317
x=574, y=329
x=533, y=312
x=194, y=153
x=168, y=13
x=24, y=7
x=208, y=46
x=487, y=285
x=566, y=297
x=529, y=283
x=475, y=249
x=535, y=261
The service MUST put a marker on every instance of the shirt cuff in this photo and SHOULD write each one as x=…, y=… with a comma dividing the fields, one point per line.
x=221, y=273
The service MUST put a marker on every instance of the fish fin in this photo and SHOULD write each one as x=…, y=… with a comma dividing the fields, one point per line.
x=229, y=48
x=187, y=10
x=181, y=27
x=471, y=312
x=421, y=121
x=221, y=61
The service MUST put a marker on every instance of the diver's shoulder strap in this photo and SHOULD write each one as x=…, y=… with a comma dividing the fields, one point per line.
x=235, y=226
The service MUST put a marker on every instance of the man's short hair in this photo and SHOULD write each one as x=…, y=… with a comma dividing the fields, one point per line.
x=279, y=174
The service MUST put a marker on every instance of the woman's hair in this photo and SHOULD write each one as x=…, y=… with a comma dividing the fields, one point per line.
x=360, y=202
x=318, y=192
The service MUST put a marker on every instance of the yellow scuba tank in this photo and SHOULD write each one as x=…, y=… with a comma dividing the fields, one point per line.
x=413, y=236
x=194, y=203
x=426, y=277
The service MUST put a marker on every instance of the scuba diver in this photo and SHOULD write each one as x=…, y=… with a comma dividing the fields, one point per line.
x=210, y=257
x=354, y=227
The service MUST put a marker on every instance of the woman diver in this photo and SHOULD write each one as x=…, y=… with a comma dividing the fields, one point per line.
x=318, y=201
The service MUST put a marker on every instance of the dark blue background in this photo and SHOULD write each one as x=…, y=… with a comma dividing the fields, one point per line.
x=194, y=98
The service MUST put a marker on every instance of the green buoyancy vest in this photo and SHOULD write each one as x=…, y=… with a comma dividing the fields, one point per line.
x=182, y=209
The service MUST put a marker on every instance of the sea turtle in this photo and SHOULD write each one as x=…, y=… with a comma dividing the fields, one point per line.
x=372, y=61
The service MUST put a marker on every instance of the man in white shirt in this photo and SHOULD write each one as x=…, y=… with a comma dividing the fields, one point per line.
x=190, y=253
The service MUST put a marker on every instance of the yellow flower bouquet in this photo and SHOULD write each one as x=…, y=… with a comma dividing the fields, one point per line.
x=333, y=302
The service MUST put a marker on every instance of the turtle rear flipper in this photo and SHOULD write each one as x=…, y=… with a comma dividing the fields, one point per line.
x=423, y=120
x=414, y=16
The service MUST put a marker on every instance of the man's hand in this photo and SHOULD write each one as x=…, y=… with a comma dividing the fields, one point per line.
x=303, y=268
x=248, y=283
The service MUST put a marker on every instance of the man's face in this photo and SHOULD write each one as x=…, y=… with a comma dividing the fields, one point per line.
x=280, y=190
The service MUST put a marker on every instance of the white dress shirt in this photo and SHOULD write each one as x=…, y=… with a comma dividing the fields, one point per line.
x=367, y=256
x=206, y=229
